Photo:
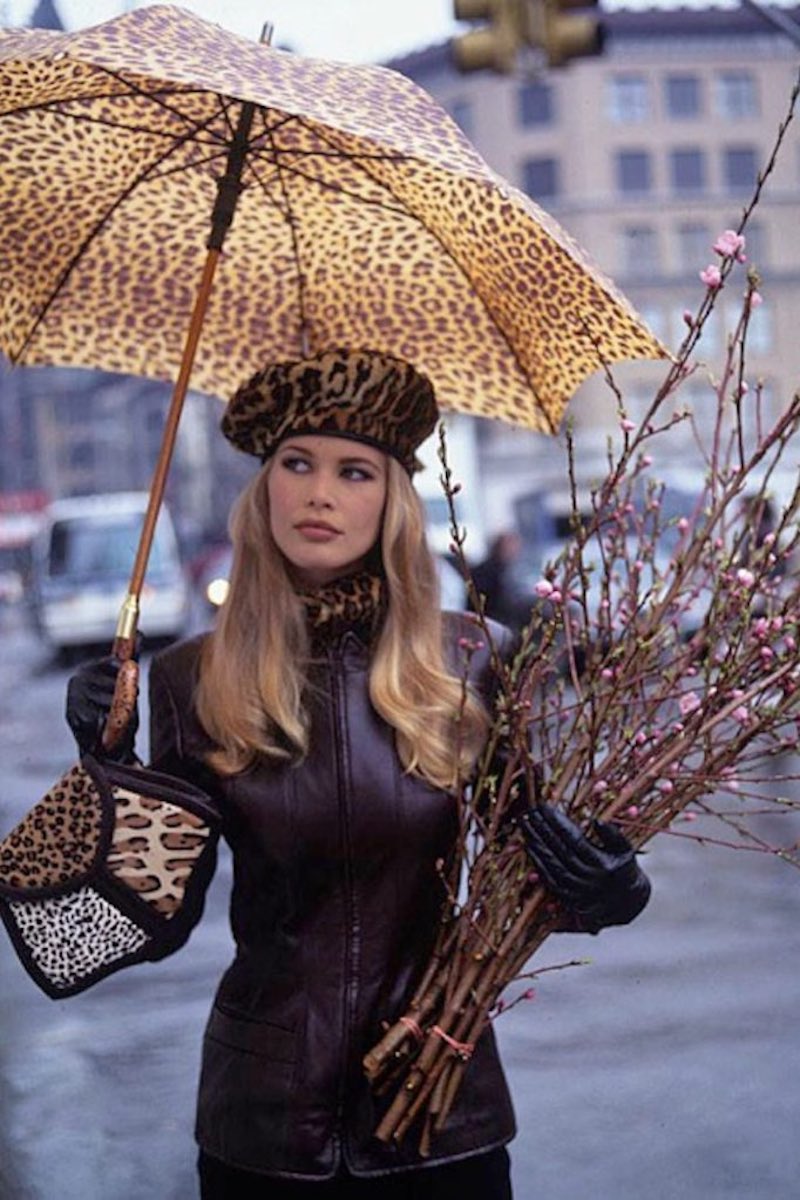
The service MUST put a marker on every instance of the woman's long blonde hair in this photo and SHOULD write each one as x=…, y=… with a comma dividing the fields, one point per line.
x=253, y=676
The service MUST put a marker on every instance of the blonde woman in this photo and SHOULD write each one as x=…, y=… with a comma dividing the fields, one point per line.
x=321, y=716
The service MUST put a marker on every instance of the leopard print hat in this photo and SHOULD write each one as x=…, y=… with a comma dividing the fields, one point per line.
x=360, y=394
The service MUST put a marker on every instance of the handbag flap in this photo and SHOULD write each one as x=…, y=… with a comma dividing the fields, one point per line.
x=154, y=847
x=57, y=843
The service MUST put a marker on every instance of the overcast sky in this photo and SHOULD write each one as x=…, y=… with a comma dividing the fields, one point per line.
x=347, y=30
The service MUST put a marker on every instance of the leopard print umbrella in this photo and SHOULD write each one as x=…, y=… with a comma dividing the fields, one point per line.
x=365, y=218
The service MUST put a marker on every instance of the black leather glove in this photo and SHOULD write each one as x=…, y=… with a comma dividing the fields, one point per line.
x=89, y=694
x=600, y=883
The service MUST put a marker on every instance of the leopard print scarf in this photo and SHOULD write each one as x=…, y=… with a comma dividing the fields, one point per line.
x=356, y=603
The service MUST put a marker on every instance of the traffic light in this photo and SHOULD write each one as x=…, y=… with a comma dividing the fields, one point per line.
x=495, y=46
x=553, y=26
x=562, y=32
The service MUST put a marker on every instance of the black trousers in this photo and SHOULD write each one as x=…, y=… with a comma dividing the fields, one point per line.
x=484, y=1177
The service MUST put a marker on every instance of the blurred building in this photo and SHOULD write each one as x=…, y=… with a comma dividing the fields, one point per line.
x=645, y=154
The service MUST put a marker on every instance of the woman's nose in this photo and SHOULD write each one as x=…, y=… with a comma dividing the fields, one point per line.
x=320, y=491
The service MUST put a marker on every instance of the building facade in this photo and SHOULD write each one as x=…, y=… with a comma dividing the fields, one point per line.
x=645, y=154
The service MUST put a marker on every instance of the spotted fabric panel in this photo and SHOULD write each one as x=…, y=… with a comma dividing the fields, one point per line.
x=366, y=219
x=55, y=934
x=58, y=839
x=154, y=847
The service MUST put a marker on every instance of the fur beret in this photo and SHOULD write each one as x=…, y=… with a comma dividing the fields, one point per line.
x=360, y=394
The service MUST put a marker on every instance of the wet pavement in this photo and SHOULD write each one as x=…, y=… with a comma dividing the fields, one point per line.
x=668, y=1068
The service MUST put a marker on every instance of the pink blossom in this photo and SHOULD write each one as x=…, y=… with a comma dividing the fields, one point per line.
x=745, y=578
x=647, y=460
x=530, y=994
x=641, y=738
x=688, y=703
x=632, y=810
x=600, y=786
x=683, y=524
x=766, y=653
x=755, y=299
x=607, y=673
x=791, y=644
x=711, y=276
x=730, y=244
x=556, y=596
x=741, y=714
x=688, y=318
x=543, y=588
x=689, y=816
x=627, y=425
x=666, y=786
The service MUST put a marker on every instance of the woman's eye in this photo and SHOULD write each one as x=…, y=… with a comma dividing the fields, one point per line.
x=294, y=463
x=357, y=473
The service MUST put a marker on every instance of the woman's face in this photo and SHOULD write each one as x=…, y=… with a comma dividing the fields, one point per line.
x=326, y=498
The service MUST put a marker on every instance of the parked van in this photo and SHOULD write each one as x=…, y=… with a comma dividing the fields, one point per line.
x=82, y=562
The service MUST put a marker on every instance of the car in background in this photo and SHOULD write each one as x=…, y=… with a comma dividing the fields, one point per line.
x=82, y=562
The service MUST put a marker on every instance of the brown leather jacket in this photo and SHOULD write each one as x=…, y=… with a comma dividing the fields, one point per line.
x=334, y=910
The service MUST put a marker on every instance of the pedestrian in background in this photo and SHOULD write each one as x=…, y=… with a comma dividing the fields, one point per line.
x=496, y=580
x=324, y=718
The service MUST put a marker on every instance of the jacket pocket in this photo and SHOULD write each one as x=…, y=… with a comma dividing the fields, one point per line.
x=261, y=1038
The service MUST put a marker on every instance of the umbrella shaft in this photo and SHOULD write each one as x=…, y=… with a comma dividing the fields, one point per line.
x=126, y=628
x=230, y=185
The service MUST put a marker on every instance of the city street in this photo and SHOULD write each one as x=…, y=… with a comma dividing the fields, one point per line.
x=665, y=1069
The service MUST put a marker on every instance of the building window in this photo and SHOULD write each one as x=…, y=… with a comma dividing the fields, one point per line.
x=639, y=250
x=736, y=94
x=462, y=113
x=682, y=94
x=739, y=167
x=634, y=173
x=760, y=332
x=540, y=178
x=536, y=103
x=81, y=455
x=687, y=170
x=694, y=245
x=628, y=99
x=655, y=318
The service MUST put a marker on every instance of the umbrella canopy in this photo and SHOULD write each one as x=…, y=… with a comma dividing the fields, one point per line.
x=363, y=217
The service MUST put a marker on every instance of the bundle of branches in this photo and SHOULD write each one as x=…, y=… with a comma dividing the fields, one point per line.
x=658, y=678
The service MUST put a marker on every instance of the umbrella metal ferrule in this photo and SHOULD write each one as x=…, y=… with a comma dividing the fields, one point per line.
x=128, y=619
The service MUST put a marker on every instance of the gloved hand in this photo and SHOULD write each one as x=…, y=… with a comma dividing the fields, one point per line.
x=600, y=883
x=89, y=694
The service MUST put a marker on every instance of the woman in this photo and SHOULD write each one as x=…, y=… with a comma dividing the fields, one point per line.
x=322, y=718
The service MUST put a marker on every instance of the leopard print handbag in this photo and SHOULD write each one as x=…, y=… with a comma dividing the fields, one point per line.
x=110, y=868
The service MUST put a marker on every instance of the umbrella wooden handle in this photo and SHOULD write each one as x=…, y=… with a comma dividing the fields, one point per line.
x=126, y=692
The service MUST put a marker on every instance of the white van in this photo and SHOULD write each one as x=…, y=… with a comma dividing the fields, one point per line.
x=82, y=562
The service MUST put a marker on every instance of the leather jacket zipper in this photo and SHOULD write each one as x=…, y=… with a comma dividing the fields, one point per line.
x=352, y=942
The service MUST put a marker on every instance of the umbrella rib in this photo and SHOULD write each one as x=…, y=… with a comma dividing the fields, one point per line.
x=55, y=106
x=134, y=89
x=301, y=287
x=76, y=257
x=341, y=191
x=362, y=164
